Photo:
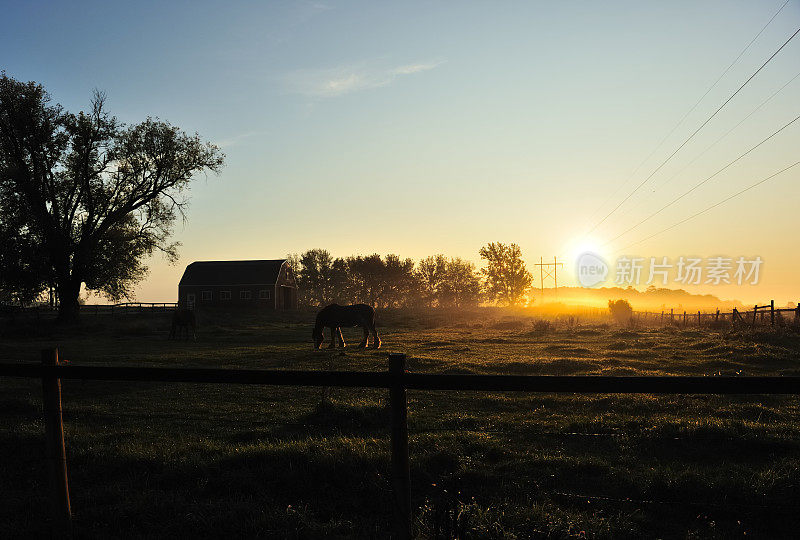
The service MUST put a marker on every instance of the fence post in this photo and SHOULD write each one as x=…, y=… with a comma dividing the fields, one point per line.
x=401, y=470
x=772, y=312
x=684, y=319
x=755, y=312
x=55, y=451
x=698, y=319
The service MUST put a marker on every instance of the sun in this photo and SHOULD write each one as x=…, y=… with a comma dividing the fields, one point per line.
x=579, y=246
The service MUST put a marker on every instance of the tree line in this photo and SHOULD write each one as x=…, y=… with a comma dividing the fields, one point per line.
x=393, y=282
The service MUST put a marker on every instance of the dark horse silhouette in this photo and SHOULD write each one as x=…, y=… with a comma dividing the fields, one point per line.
x=183, y=320
x=335, y=316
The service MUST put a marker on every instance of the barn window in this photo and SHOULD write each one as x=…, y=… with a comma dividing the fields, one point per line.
x=263, y=294
x=224, y=295
x=244, y=295
x=205, y=295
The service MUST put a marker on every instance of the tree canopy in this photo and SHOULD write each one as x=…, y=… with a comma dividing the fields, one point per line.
x=389, y=281
x=86, y=198
x=507, y=278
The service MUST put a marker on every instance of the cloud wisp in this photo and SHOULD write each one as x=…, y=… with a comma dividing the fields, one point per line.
x=236, y=139
x=332, y=82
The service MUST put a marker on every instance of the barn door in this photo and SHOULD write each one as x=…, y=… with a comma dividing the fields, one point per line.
x=287, y=297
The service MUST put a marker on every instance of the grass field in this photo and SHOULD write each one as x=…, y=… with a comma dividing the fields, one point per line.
x=166, y=460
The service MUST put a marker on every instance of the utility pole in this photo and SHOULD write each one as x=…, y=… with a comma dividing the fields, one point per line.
x=548, y=273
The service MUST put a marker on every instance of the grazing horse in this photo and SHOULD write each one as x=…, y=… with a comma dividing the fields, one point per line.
x=183, y=320
x=335, y=316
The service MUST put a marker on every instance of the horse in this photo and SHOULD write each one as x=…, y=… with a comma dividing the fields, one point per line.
x=335, y=316
x=183, y=320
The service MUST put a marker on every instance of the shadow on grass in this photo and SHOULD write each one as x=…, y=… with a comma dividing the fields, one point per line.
x=325, y=420
x=328, y=486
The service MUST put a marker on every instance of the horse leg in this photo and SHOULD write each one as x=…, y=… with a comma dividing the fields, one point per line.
x=377, y=343
x=339, y=335
x=333, y=338
x=364, y=341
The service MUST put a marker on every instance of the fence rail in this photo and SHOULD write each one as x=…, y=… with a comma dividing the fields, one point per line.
x=93, y=309
x=397, y=380
x=768, y=314
x=578, y=384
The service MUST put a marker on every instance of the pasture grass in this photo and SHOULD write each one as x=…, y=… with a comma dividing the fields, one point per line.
x=167, y=460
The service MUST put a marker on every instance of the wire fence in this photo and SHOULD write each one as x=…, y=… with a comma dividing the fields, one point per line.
x=397, y=380
x=759, y=315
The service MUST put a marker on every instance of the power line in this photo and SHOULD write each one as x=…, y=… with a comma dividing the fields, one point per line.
x=691, y=110
x=685, y=142
x=681, y=222
x=684, y=194
x=712, y=145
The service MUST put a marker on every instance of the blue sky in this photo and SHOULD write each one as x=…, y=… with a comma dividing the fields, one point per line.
x=419, y=128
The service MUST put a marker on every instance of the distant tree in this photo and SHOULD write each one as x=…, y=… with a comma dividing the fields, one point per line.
x=621, y=310
x=431, y=276
x=365, y=278
x=507, y=279
x=316, y=277
x=293, y=262
x=97, y=196
x=389, y=282
x=399, y=283
x=461, y=286
x=343, y=286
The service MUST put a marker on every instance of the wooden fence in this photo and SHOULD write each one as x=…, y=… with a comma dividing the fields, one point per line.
x=44, y=311
x=397, y=380
x=130, y=307
x=766, y=314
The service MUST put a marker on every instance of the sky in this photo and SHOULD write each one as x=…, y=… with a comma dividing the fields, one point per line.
x=423, y=128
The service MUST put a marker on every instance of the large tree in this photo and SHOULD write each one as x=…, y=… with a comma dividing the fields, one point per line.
x=507, y=279
x=95, y=195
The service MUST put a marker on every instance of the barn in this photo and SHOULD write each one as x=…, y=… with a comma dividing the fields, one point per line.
x=268, y=284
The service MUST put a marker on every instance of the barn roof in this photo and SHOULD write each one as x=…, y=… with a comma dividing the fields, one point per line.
x=220, y=273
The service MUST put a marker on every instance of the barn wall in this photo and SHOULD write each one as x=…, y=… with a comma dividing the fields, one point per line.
x=282, y=293
x=235, y=299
